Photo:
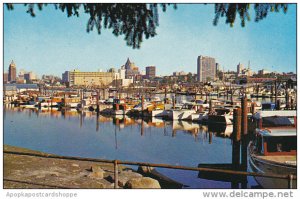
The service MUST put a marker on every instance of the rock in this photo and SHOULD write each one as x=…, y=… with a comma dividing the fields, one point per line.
x=75, y=165
x=95, y=168
x=123, y=177
x=145, y=169
x=96, y=185
x=142, y=183
x=97, y=172
x=54, y=174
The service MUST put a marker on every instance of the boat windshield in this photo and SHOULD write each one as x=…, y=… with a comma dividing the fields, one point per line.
x=276, y=121
x=281, y=143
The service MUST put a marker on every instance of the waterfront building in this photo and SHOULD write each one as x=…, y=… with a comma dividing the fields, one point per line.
x=12, y=72
x=79, y=78
x=150, y=72
x=206, y=68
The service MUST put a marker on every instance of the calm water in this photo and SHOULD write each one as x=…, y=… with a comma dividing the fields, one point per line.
x=82, y=134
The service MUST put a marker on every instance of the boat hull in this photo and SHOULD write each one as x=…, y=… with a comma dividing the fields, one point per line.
x=182, y=114
x=262, y=166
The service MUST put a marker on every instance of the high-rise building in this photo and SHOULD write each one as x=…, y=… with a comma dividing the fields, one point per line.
x=206, y=68
x=131, y=70
x=217, y=67
x=12, y=72
x=150, y=72
x=239, y=68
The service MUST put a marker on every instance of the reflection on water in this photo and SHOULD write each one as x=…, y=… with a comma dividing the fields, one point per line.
x=87, y=134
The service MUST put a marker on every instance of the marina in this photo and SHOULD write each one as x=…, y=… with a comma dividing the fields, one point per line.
x=153, y=97
x=108, y=130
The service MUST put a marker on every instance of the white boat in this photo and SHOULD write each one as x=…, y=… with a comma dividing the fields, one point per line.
x=199, y=117
x=184, y=113
x=274, y=151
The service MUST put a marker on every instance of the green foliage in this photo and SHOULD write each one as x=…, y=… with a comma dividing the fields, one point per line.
x=231, y=10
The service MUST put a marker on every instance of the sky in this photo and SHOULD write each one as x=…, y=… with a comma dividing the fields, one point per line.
x=52, y=43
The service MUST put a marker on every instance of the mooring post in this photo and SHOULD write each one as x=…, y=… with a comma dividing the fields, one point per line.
x=173, y=102
x=165, y=95
x=210, y=106
x=278, y=104
x=97, y=103
x=290, y=181
x=276, y=92
x=143, y=105
x=244, y=116
x=236, y=137
x=237, y=118
x=244, y=129
x=272, y=92
x=252, y=108
x=116, y=174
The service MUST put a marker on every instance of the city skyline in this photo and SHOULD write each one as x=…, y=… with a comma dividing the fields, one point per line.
x=52, y=43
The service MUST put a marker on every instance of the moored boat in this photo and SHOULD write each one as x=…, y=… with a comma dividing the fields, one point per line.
x=273, y=151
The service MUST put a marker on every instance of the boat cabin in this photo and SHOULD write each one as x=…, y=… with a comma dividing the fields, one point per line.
x=276, y=137
x=276, y=143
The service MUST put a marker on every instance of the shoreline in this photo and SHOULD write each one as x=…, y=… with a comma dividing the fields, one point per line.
x=21, y=171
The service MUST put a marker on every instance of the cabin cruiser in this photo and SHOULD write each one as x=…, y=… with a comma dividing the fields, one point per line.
x=222, y=116
x=274, y=151
x=184, y=113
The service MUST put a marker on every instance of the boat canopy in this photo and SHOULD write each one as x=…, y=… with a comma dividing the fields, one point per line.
x=286, y=113
x=282, y=132
x=277, y=121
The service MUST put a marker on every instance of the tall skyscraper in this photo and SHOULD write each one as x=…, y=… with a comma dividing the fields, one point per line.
x=239, y=68
x=12, y=72
x=150, y=72
x=206, y=68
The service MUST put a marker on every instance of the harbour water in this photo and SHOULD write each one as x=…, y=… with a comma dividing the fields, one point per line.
x=73, y=133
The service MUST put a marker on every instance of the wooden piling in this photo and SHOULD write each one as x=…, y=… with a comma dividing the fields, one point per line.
x=116, y=174
x=210, y=138
x=173, y=102
x=210, y=107
x=276, y=91
x=165, y=95
x=244, y=116
x=237, y=118
x=257, y=91
x=252, y=108
x=97, y=102
x=231, y=96
x=292, y=103
x=142, y=103
x=272, y=91
x=277, y=104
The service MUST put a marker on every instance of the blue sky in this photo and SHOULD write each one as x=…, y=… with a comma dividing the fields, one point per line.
x=52, y=43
